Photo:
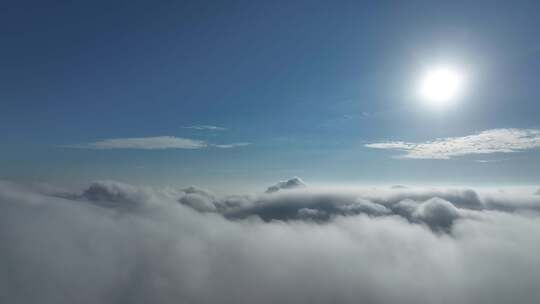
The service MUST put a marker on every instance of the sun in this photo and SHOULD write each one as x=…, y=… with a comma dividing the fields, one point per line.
x=441, y=85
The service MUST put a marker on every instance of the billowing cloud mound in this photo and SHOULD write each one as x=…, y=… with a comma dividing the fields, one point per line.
x=300, y=204
x=199, y=199
x=340, y=246
x=462, y=198
x=292, y=183
x=436, y=212
x=205, y=201
x=436, y=208
x=115, y=194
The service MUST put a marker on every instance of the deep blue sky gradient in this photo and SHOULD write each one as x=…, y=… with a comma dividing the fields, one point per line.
x=308, y=83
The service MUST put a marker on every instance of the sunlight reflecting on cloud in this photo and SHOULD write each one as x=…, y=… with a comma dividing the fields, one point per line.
x=485, y=142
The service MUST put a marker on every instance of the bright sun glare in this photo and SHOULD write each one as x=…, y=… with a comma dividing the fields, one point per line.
x=441, y=85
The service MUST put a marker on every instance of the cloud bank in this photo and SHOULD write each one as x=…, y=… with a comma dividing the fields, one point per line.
x=485, y=142
x=118, y=243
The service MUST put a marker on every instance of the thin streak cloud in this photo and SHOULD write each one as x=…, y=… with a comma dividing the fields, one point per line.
x=485, y=142
x=233, y=145
x=153, y=143
x=144, y=143
x=205, y=128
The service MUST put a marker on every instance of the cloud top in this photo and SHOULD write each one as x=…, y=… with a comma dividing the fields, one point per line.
x=292, y=183
x=114, y=194
x=485, y=142
x=369, y=246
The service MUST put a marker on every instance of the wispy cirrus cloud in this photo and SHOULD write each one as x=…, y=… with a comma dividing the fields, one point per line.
x=233, y=145
x=153, y=143
x=143, y=143
x=205, y=128
x=485, y=142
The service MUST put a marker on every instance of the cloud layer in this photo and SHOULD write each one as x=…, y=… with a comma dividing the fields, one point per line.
x=485, y=142
x=117, y=243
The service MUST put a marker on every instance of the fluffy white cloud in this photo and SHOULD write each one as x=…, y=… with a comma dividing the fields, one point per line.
x=77, y=249
x=437, y=212
x=489, y=141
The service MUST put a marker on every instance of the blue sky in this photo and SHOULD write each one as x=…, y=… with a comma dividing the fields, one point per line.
x=308, y=84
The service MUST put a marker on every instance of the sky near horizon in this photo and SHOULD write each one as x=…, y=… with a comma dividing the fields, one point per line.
x=237, y=94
